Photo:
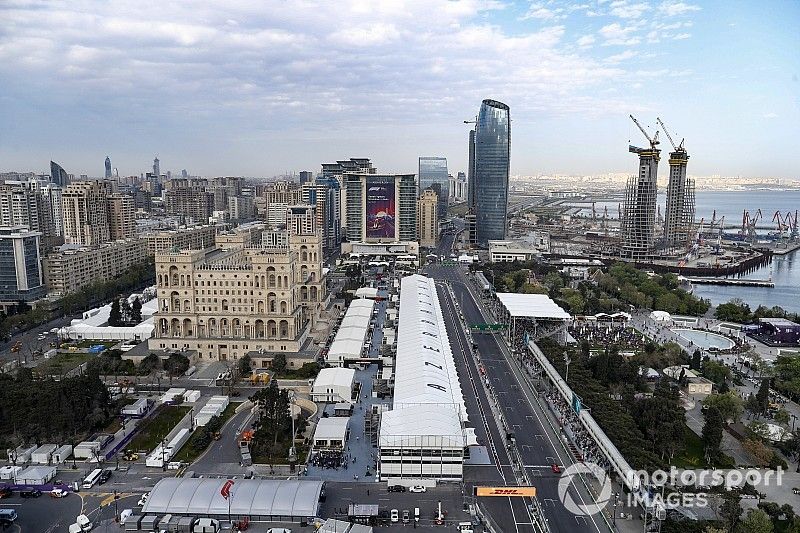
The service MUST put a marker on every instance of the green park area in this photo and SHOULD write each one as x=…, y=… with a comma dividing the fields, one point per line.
x=157, y=427
x=62, y=364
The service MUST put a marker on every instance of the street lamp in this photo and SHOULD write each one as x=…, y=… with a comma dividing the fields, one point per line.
x=567, y=361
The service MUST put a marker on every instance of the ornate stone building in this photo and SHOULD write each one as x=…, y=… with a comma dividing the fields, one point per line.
x=253, y=300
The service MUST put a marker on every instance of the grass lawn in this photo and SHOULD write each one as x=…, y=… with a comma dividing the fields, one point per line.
x=61, y=364
x=693, y=456
x=188, y=454
x=157, y=427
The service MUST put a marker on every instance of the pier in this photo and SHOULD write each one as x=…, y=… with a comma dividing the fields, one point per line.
x=728, y=281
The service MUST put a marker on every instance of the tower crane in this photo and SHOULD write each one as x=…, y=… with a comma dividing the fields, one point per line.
x=678, y=148
x=653, y=141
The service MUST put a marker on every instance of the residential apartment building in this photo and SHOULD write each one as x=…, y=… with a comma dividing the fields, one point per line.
x=428, y=218
x=19, y=205
x=70, y=270
x=188, y=199
x=277, y=198
x=187, y=238
x=121, y=217
x=85, y=212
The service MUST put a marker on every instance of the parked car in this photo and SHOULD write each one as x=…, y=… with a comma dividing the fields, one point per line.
x=397, y=488
x=394, y=515
x=796, y=490
x=143, y=499
x=417, y=488
x=5, y=492
x=555, y=468
x=35, y=493
x=58, y=493
x=406, y=516
x=104, y=477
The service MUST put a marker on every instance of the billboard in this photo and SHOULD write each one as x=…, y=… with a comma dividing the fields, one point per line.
x=380, y=212
x=525, y=492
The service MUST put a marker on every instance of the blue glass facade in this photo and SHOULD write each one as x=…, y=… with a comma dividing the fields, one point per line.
x=433, y=175
x=492, y=157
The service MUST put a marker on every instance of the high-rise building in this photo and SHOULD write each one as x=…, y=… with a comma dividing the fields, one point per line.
x=108, y=168
x=121, y=217
x=679, y=218
x=51, y=210
x=491, y=171
x=306, y=176
x=277, y=197
x=301, y=219
x=381, y=207
x=58, y=175
x=358, y=165
x=324, y=193
x=157, y=168
x=85, y=208
x=458, y=187
x=471, y=202
x=188, y=199
x=428, y=219
x=19, y=205
x=241, y=208
x=433, y=175
x=184, y=173
x=20, y=266
x=639, y=209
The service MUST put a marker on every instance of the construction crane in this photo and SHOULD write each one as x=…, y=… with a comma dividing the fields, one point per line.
x=791, y=225
x=654, y=142
x=678, y=148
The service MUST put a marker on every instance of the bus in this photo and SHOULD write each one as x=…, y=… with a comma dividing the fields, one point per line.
x=92, y=479
x=8, y=515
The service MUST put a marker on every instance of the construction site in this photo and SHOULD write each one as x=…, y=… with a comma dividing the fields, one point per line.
x=629, y=224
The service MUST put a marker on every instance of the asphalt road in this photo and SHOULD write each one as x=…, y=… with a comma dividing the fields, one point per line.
x=536, y=442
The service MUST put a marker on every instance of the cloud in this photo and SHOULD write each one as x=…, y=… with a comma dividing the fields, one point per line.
x=681, y=36
x=616, y=34
x=625, y=10
x=619, y=58
x=539, y=11
x=770, y=115
x=671, y=9
x=586, y=40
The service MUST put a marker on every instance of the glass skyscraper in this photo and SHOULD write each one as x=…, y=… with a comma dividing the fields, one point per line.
x=490, y=175
x=58, y=175
x=433, y=175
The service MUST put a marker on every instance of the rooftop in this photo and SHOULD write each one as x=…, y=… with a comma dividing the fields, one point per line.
x=531, y=306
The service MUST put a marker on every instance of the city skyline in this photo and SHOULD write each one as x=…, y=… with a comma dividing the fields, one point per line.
x=259, y=90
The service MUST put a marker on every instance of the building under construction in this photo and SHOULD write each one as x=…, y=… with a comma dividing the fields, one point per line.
x=679, y=220
x=639, y=209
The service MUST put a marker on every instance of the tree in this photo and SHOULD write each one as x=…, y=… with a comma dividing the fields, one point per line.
x=716, y=372
x=136, y=311
x=782, y=417
x=278, y=363
x=697, y=358
x=734, y=311
x=730, y=510
x=756, y=521
x=762, y=396
x=712, y=433
x=115, y=315
x=760, y=451
x=245, y=365
x=125, y=310
x=751, y=405
x=22, y=307
x=176, y=364
x=729, y=405
x=150, y=363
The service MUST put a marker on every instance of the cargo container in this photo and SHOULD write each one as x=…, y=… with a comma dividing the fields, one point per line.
x=42, y=454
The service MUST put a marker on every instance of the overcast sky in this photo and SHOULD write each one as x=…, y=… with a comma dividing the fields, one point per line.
x=261, y=87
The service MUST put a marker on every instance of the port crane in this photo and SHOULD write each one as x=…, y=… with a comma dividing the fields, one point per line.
x=654, y=142
x=749, y=225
